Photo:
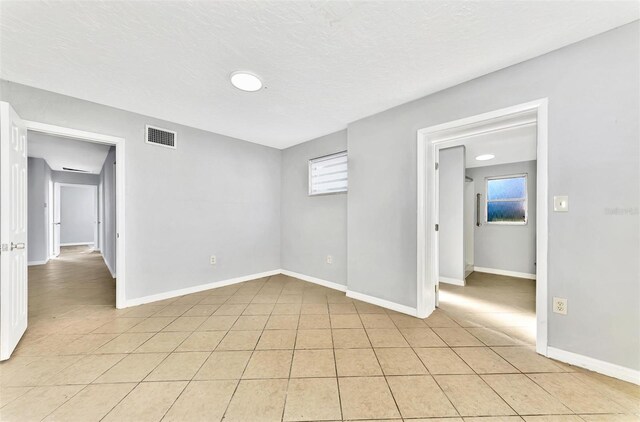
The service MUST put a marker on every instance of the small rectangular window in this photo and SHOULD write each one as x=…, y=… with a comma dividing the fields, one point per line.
x=507, y=199
x=328, y=174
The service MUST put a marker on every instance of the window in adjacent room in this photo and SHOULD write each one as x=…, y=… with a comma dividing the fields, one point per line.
x=328, y=174
x=507, y=199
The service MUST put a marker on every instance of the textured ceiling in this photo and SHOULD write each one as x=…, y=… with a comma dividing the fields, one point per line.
x=62, y=152
x=324, y=64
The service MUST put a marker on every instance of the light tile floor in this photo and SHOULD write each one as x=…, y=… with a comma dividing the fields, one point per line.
x=280, y=349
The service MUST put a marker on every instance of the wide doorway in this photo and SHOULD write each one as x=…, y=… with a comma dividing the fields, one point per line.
x=483, y=214
x=71, y=225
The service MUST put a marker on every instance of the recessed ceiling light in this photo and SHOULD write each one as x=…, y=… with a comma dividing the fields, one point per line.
x=246, y=81
x=485, y=157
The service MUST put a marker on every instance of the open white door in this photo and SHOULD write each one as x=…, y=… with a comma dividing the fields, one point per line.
x=13, y=230
x=56, y=219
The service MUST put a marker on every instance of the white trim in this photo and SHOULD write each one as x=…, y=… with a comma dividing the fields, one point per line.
x=329, y=284
x=77, y=244
x=381, y=302
x=315, y=280
x=504, y=272
x=32, y=263
x=120, y=191
x=453, y=281
x=198, y=288
x=429, y=140
x=596, y=365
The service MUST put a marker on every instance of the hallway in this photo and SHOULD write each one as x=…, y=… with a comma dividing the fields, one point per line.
x=75, y=281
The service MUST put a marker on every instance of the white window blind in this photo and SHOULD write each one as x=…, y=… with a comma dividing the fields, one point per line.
x=328, y=174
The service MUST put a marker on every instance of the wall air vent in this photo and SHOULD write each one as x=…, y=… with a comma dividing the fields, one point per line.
x=162, y=137
x=76, y=170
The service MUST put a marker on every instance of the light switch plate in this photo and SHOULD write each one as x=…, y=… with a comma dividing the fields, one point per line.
x=561, y=203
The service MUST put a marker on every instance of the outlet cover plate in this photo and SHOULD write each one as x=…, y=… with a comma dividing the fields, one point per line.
x=560, y=305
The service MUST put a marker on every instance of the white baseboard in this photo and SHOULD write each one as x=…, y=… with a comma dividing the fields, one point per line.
x=505, y=272
x=453, y=281
x=354, y=295
x=382, y=303
x=113, y=273
x=315, y=280
x=31, y=263
x=329, y=284
x=596, y=365
x=77, y=244
x=198, y=288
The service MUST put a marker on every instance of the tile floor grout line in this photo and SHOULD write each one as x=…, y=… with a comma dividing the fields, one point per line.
x=246, y=365
x=385, y=377
x=286, y=391
x=425, y=366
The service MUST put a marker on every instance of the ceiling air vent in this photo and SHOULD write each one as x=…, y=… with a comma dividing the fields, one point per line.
x=162, y=137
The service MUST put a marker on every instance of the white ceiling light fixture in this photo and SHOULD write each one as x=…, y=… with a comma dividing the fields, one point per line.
x=246, y=81
x=485, y=157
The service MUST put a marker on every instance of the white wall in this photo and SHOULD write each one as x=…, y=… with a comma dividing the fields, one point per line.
x=592, y=87
x=77, y=215
x=451, y=164
x=313, y=227
x=506, y=247
x=212, y=195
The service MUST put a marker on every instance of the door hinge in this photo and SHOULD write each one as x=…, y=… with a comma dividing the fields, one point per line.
x=4, y=247
x=437, y=166
x=437, y=227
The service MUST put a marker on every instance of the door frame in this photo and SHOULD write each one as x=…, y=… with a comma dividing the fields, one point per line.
x=429, y=141
x=94, y=188
x=119, y=144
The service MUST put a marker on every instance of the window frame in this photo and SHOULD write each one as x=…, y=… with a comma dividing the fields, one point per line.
x=525, y=200
x=325, y=158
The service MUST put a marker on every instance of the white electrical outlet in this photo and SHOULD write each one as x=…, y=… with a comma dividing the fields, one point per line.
x=560, y=305
x=213, y=260
x=329, y=259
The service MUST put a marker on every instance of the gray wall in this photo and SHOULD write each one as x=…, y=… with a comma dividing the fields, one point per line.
x=49, y=193
x=75, y=178
x=592, y=87
x=313, y=227
x=77, y=215
x=37, y=197
x=107, y=226
x=506, y=247
x=451, y=218
x=213, y=195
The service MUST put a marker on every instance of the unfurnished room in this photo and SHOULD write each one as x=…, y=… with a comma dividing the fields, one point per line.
x=320, y=211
